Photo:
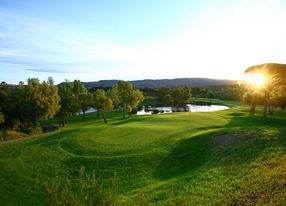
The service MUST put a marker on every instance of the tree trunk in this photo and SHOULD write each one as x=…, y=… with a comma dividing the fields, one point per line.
x=265, y=111
x=97, y=114
x=104, y=118
x=253, y=104
x=270, y=110
x=266, y=96
x=83, y=113
x=253, y=107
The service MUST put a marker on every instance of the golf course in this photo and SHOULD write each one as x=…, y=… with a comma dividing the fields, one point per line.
x=227, y=157
x=142, y=103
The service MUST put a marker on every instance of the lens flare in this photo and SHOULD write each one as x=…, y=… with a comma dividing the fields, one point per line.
x=256, y=79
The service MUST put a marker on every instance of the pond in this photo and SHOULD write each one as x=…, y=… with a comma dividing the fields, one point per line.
x=189, y=108
x=206, y=108
x=90, y=110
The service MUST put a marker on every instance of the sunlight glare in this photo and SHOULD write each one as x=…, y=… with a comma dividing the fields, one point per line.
x=256, y=79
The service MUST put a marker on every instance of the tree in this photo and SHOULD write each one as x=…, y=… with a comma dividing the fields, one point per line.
x=102, y=103
x=126, y=97
x=23, y=105
x=17, y=106
x=4, y=92
x=51, y=91
x=43, y=97
x=85, y=100
x=275, y=75
x=175, y=96
x=77, y=88
x=73, y=98
x=180, y=96
x=65, y=104
x=253, y=98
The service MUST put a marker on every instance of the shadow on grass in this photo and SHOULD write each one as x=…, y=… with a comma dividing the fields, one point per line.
x=237, y=114
x=52, y=137
x=241, y=141
x=189, y=154
x=89, y=118
x=252, y=120
x=129, y=120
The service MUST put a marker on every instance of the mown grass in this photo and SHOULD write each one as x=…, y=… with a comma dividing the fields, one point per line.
x=221, y=158
x=220, y=102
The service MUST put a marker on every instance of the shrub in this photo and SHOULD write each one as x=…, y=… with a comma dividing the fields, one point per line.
x=32, y=129
x=10, y=135
x=16, y=125
x=36, y=129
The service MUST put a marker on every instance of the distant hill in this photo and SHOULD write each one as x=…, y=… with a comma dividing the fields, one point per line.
x=153, y=83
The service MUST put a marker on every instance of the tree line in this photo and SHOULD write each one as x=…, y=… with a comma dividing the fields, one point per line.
x=177, y=96
x=24, y=106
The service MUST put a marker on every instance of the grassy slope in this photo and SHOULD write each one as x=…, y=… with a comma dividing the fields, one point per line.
x=217, y=158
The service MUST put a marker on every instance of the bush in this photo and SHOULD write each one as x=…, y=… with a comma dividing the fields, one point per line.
x=10, y=135
x=16, y=125
x=36, y=129
x=32, y=129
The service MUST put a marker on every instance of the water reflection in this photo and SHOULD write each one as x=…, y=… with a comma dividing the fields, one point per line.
x=206, y=108
x=189, y=108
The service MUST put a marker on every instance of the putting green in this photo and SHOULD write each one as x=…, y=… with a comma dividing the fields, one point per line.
x=138, y=135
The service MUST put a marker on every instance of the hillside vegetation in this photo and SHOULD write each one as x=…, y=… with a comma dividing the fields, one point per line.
x=220, y=158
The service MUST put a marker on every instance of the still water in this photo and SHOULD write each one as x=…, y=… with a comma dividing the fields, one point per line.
x=189, y=108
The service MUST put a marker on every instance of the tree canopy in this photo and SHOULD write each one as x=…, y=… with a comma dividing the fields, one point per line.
x=102, y=103
x=43, y=97
x=180, y=96
x=74, y=97
x=175, y=96
x=126, y=97
x=274, y=85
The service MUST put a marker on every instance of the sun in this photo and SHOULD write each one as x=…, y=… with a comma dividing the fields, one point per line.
x=256, y=79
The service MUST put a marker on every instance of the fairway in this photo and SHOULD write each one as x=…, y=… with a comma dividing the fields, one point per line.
x=180, y=157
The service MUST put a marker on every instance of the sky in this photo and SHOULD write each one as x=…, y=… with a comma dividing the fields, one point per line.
x=94, y=40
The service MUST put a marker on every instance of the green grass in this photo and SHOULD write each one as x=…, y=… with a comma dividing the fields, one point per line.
x=219, y=158
x=220, y=102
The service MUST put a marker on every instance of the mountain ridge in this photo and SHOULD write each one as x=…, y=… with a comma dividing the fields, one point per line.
x=156, y=83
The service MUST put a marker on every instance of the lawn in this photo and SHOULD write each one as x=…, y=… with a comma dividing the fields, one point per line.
x=218, y=158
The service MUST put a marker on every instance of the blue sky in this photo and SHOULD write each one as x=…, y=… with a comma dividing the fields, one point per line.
x=92, y=40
